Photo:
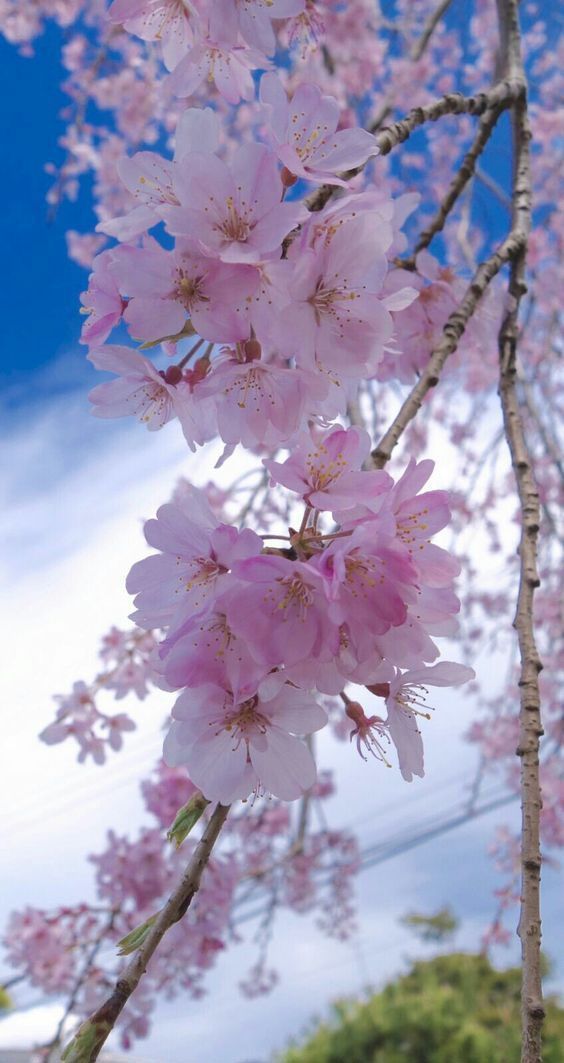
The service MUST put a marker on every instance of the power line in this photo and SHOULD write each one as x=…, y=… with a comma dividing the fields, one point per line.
x=387, y=850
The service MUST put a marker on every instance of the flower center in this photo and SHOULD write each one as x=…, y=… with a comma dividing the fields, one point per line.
x=323, y=473
x=332, y=301
x=410, y=527
x=234, y=226
x=188, y=290
x=361, y=575
x=244, y=721
x=409, y=698
x=151, y=398
x=297, y=595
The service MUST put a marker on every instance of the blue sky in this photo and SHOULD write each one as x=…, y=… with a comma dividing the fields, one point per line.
x=40, y=283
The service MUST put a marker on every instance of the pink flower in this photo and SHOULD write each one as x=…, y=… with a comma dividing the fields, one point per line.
x=102, y=302
x=167, y=21
x=406, y=701
x=82, y=247
x=258, y=404
x=365, y=731
x=369, y=580
x=252, y=19
x=196, y=552
x=165, y=287
x=140, y=390
x=303, y=132
x=417, y=518
x=229, y=66
x=205, y=649
x=243, y=742
x=282, y=612
x=165, y=791
x=149, y=177
x=335, y=314
x=324, y=468
x=232, y=212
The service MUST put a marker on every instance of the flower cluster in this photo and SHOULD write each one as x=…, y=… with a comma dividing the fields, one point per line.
x=251, y=632
x=290, y=311
x=219, y=42
x=127, y=657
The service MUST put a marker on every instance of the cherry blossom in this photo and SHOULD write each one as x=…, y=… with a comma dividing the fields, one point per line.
x=281, y=611
x=196, y=553
x=102, y=302
x=335, y=306
x=366, y=730
x=325, y=314
x=140, y=391
x=168, y=21
x=149, y=178
x=233, y=212
x=303, y=133
x=230, y=67
x=325, y=469
x=167, y=287
x=406, y=701
x=260, y=403
x=252, y=19
x=236, y=743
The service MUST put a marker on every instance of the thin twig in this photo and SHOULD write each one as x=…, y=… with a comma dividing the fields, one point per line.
x=415, y=54
x=460, y=180
x=93, y=1034
x=85, y=973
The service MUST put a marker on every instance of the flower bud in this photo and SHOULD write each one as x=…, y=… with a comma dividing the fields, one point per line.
x=253, y=350
x=186, y=818
x=133, y=941
x=287, y=177
x=381, y=690
x=173, y=375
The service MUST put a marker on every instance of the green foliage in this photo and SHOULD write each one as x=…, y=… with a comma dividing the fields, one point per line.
x=455, y=1007
x=5, y=1002
x=432, y=928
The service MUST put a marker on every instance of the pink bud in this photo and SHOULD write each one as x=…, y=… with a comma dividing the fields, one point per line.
x=173, y=375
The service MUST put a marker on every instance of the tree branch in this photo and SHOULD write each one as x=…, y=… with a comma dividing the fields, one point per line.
x=530, y=725
x=501, y=96
x=486, y=127
x=452, y=331
x=93, y=1034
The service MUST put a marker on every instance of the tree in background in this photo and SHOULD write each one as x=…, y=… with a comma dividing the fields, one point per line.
x=268, y=178
x=453, y=1007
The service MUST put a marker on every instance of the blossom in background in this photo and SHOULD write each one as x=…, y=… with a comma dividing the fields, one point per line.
x=169, y=21
x=229, y=67
x=252, y=19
